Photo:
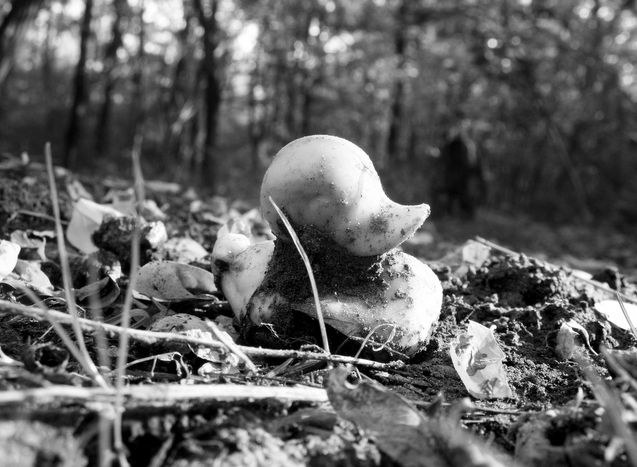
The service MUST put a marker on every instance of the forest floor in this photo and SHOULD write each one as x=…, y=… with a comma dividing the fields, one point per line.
x=570, y=369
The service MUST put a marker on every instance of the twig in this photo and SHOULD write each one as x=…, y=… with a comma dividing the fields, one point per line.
x=592, y=283
x=40, y=215
x=85, y=360
x=151, y=337
x=232, y=347
x=152, y=358
x=626, y=315
x=103, y=358
x=122, y=351
x=308, y=266
x=165, y=394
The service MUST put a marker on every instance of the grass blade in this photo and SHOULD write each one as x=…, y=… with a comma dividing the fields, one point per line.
x=310, y=274
x=86, y=361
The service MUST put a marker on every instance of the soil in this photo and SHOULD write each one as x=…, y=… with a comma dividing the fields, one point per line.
x=556, y=416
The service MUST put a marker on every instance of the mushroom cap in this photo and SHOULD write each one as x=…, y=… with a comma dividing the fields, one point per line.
x=330, y=183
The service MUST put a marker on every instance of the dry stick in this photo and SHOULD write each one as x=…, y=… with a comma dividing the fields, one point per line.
x=593, y=283
x=39, y=215
x=86, y=361
x=308, y=266
x=166, y=394
x=122, y=354
x=226, y=340
x=626, y=315
x=152, y=357
x=103, y=359
x=105, y=417
x=151, y=337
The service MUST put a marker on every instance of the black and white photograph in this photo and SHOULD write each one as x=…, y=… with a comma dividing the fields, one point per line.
x=351, y=233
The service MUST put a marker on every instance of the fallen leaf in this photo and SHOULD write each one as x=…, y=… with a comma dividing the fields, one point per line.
x=470, y=254
x=477, y=358
x=151, y=211
x=31, y=274
x=76, y=190
x=9, y=252
x=101, y=293
x=571, y=337
x=30, y=248
x=613, y=312
x=400, y=430
x=169, y=280
x=219, y=361
x=86, y=219
x=159, y=186
x=45, y=358
x=183, y=250
x=8, y=361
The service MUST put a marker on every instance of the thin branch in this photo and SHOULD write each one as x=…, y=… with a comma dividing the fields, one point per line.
x=86, y=360
x=165, y=394
x=151, y=337
x=122, y=351
x=626, y=314
x=231, y=346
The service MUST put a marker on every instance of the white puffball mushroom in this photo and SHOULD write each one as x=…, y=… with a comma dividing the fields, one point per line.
x=329, y=190
x=245, y=273
x=408, y=305
x=228, y=246
x=331, y=183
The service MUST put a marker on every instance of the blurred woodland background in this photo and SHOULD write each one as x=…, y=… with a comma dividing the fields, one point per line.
x=546, y=91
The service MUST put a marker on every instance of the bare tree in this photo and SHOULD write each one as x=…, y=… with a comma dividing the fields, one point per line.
x=206, y=11
x=19, y=14
x=110, y=77
x=80, y=94
x=397, y=110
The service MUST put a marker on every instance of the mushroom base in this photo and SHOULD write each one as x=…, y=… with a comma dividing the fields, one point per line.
x=394, y=296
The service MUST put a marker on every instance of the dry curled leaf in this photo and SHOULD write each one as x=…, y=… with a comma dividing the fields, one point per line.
x=101, y=293
x=171, y=281
x=478, y=359
x=86, y=219
x=29, y=274
x=570, y=339
x=612, y=310
x=218, y=361
x=30, y=248
x=401, y=431
x=9, y=252
x=183, y=250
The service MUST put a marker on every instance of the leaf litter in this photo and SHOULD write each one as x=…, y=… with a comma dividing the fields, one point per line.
x=547, y=332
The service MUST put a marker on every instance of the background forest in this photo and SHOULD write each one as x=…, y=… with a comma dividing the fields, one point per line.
x=547, y=90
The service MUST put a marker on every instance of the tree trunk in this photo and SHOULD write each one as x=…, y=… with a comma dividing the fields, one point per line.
x=79, y=104
x=396, y=113
x=206, y=13
x=138, y=108
x=20, y=13
x=47, y=74
x=110, y=63
x=255, y=112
